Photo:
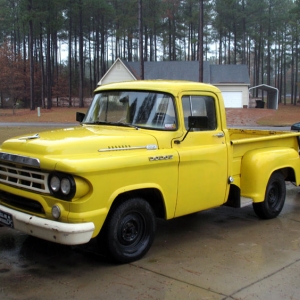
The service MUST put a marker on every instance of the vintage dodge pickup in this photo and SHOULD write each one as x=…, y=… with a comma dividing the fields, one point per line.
x=144, y=150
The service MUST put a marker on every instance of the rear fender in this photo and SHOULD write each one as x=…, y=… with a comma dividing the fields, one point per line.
x=258, y=165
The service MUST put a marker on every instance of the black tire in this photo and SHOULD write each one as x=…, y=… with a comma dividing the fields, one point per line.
x=274, y=198
x=130, y=230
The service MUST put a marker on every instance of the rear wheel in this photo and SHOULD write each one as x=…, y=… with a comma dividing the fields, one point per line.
x=130, y=230
x=274, y=198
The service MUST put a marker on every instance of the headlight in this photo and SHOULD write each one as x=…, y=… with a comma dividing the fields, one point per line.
x=62, y=185
x=55, y=184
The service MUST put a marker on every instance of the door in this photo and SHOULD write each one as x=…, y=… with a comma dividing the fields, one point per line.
x=233, y=99
x=203, y=167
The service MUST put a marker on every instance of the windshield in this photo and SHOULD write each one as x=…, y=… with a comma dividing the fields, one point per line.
x=139, y=108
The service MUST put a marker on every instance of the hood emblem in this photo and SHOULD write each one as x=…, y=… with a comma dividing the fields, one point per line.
x=162, y=157
x=31, y=137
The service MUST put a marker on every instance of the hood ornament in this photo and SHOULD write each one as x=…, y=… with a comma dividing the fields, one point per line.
x=31, y=137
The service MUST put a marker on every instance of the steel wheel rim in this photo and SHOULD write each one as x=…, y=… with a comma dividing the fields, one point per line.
x=131, y=230
x=273, y=195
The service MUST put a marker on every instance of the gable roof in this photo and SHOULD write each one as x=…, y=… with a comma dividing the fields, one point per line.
x=176, y=70
x=185, y=70
x=229, y=74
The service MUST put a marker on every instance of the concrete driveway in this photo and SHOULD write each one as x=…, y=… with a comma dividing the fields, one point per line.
x=223, y=253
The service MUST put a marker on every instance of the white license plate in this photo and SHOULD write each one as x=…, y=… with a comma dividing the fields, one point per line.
x=6, y=219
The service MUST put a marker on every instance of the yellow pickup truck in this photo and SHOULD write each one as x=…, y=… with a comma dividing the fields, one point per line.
x=144, y=150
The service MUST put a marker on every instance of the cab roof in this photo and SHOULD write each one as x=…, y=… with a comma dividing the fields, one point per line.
x=170, y=86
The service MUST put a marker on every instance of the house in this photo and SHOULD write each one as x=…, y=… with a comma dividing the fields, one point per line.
x=232, y=80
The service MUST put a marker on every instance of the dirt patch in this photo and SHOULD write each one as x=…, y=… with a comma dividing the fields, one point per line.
x=286, y=115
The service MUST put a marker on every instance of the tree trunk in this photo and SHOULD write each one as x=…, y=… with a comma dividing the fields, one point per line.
x=102, y=56
x=292, y=67
x=170, y=39
x=42, y=103
x=140, y=14
x=31, y=61
x=220, y=48
x=81, y=70
x=48, y=72
x=297, y=67
x=70, y=53
x=269, y=49
x=200, y=47
x=146, y=44
x=244, y=34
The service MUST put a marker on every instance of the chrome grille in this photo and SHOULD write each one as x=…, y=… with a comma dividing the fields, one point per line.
x=23, y=177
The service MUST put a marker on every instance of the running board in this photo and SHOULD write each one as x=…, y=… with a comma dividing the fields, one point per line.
x=245, y=201
x=236, y=200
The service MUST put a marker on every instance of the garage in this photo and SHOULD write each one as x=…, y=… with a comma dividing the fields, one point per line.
x=232, y=80
x=233, y=99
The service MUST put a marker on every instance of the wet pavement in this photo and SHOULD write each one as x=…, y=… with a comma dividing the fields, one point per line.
x=222, y=253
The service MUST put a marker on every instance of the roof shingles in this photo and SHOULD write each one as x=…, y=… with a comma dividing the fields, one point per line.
x=189, y=70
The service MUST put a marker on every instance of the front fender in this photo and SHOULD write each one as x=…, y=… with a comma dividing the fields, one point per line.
x=258, y=165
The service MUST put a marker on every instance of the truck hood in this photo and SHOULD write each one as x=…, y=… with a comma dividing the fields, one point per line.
x=79, y=140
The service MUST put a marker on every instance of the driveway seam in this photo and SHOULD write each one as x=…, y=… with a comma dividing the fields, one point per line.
x=181, y=281
x=268, y=276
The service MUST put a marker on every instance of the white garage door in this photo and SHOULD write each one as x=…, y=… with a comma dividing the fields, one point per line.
x=233, y=99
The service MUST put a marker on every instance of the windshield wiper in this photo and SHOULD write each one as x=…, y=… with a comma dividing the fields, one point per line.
x=113, y=123
x=123, y=124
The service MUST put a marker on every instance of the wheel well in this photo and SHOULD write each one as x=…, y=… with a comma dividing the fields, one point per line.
x=152, y=196
x=288, y=174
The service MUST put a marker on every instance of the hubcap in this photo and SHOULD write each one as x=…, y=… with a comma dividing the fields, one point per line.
x=129, y=231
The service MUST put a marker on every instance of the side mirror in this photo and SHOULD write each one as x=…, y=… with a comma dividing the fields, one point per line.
x=79, y=116
x=199, y=122
x=296, y=126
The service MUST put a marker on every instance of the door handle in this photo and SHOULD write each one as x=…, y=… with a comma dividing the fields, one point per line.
x=219, y=135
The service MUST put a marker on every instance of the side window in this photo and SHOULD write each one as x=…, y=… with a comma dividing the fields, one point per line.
x=200, y=106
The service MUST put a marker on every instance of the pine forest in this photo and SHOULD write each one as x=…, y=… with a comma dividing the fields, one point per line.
x=62, y=48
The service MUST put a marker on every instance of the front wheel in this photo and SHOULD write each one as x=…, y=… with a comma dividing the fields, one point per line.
x=274, y=198
x=130, y=230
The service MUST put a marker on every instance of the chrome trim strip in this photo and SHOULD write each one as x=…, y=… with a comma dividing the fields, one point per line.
x=122, y=148
x=19, y=159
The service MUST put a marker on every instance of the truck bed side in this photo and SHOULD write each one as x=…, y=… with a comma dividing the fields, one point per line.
x=256, y=166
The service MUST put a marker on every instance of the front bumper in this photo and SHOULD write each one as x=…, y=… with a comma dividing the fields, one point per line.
x=61, y=233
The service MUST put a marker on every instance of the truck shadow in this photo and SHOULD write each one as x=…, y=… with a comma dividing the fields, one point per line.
x=212, y=224
x=40, y=257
